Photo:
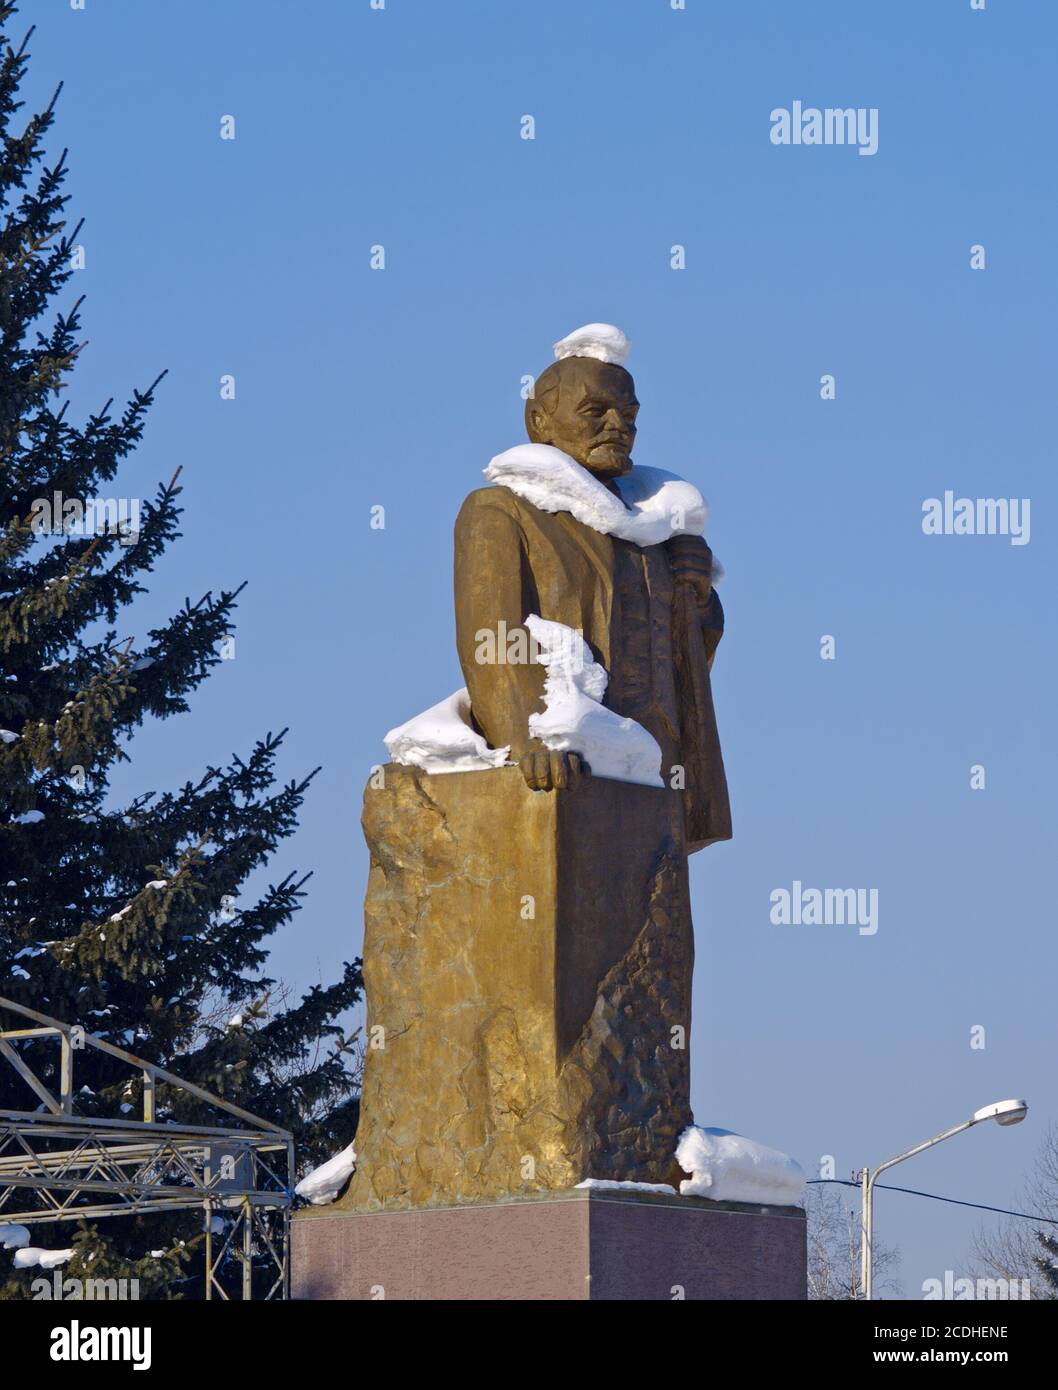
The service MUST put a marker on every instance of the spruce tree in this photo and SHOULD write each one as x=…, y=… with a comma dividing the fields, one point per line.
x=127, y=919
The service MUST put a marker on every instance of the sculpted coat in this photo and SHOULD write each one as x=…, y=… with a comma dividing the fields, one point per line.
x=656, y=638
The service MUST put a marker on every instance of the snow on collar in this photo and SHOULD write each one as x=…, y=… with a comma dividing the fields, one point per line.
x=662, y=505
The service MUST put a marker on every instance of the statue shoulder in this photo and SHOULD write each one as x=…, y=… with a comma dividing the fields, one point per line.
x=487, y=504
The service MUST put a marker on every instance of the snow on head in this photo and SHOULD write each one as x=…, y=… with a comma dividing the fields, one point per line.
x=324, y=1183
x=728, y=1168
x=602, y=341
x=574, y=719
x=663, y=505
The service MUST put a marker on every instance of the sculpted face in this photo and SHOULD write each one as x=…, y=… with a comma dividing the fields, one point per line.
x=588, y=410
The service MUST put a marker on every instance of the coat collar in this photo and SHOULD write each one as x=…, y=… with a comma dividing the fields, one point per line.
x=656, y=505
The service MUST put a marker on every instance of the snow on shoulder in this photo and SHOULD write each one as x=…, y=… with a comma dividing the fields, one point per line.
x=725, y=1167
x=654, y=505
x=324, y=1183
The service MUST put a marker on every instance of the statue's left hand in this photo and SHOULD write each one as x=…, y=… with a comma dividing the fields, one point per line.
x=691, y=562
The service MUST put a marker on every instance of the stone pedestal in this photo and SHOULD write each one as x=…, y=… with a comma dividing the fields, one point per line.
x=527, y=963
x=566, y=1246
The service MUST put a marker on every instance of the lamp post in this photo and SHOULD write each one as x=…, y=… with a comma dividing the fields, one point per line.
x=1004, y=1112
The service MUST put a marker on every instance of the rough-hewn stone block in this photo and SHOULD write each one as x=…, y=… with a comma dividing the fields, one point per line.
x=528, y=961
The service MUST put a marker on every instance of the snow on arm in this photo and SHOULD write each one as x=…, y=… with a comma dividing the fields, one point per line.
x=574, y=719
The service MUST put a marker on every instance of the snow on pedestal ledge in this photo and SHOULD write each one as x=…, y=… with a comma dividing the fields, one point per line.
x=606, y=1185
x=324, y=1183
x=725, y=1167
x=441, y=739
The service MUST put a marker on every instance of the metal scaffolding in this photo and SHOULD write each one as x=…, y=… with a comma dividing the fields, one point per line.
x=58, y=1165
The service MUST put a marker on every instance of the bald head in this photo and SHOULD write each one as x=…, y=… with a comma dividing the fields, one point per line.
x=587, y=409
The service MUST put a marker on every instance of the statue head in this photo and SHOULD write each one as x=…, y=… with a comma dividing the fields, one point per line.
x=586, y=408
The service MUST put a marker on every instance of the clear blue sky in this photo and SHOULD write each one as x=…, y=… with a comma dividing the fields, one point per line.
x=356, y=388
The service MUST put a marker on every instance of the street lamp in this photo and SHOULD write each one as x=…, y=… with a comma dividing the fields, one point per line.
x=1004, y=1112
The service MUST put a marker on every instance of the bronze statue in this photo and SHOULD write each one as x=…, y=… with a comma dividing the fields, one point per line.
x=650, y=615
x=528, y=948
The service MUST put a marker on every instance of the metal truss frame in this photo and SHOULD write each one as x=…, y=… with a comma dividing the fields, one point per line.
x=58, y=1165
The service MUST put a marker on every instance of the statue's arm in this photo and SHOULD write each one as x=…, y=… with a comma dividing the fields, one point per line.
x=494, y=593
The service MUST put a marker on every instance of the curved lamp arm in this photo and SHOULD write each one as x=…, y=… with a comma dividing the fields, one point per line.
x=1004, y=1112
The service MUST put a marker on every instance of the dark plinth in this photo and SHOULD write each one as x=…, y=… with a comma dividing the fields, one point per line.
x=578, y=1245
